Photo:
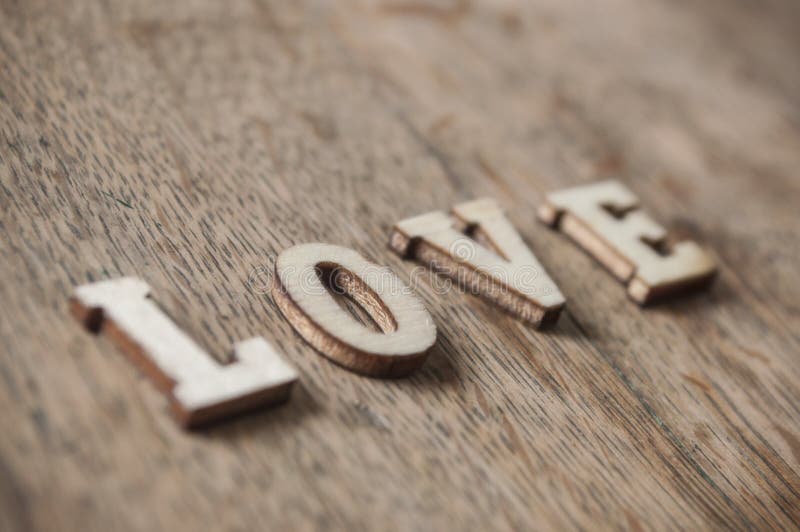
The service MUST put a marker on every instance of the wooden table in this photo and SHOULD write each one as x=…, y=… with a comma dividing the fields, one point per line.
x=189, y=143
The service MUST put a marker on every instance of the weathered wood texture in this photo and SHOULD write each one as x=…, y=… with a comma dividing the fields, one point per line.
x=188, y=143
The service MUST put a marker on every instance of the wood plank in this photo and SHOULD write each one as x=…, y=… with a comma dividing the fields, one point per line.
x=189, y=146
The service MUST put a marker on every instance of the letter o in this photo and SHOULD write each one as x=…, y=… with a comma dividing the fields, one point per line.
x=407, y=328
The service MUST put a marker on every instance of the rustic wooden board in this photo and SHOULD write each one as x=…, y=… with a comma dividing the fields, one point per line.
x=188, y=143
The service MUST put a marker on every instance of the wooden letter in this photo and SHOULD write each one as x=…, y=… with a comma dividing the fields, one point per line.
x=604, y=219
x=407, y=328
x=200, y=390
x=508, y=274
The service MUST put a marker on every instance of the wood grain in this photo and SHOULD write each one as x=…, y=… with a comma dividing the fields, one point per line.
x=189, y=144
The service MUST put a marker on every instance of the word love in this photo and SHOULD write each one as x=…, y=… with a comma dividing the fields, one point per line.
x=475, y=245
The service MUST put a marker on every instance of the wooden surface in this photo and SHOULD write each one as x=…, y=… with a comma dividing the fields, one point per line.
x=188, y=143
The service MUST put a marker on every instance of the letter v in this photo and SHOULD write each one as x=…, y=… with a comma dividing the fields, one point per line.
x=480, y=249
